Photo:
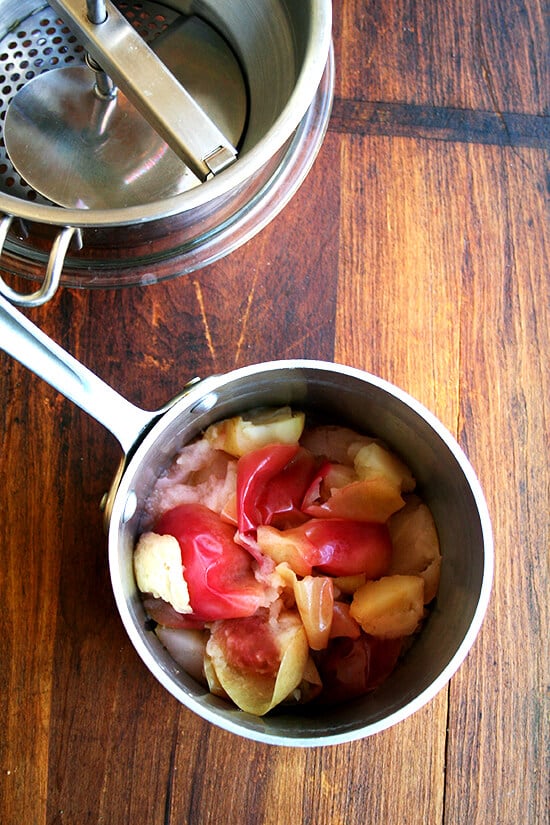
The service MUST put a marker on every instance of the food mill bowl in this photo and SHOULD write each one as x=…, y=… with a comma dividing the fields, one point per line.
x=445, y=480
x=284, y=52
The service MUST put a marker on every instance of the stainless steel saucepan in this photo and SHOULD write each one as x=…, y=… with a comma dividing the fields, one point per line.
x=344, y=395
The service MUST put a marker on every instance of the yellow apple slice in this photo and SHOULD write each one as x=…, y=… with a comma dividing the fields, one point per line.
x=416, y=545
x=374, y=460
x=243, y=434
x=390, y=607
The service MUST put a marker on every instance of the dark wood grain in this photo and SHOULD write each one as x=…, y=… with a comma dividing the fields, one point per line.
x=418, y=249
x=481, y=55
x=440, y=123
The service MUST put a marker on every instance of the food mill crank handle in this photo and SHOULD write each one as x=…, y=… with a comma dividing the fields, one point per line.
x=21, y=339
x=125, y=57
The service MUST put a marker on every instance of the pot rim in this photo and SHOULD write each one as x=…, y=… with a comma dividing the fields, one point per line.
x=315, y=61
x=204, y=393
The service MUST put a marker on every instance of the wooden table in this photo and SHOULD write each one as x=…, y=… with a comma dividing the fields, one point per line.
x=417, y=249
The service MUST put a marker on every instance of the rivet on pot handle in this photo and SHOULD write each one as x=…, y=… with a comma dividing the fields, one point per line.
x=54, y=267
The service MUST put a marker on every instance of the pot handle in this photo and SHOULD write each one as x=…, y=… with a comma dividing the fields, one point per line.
x=21, y=339
x=54, y=268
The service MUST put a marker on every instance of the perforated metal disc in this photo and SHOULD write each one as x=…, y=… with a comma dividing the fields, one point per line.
x=43, y=135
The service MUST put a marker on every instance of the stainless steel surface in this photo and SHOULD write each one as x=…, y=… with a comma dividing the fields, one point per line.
x=283, y=48
x=84, y=144
x=202, y=60
x=215, y=230
x=87, y=151
x=104, y=87
x=149, y=85
x=41, y=43
x=445, y=480
x=54, y=268
x=22, y=340
x=96, y=11
x=211, y=234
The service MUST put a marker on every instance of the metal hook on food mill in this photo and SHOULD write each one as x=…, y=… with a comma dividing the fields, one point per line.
x=54, y=267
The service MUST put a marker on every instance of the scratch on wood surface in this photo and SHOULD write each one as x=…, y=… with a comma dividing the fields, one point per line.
x=171, y=778
x=207, y=334
x=246, y=316
x=299, y=343
x=159, y=364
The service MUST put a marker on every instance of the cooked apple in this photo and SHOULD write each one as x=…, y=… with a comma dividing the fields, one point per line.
x=244, y=433
x=374, y=460
x=390, y=607
x=416, y=545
